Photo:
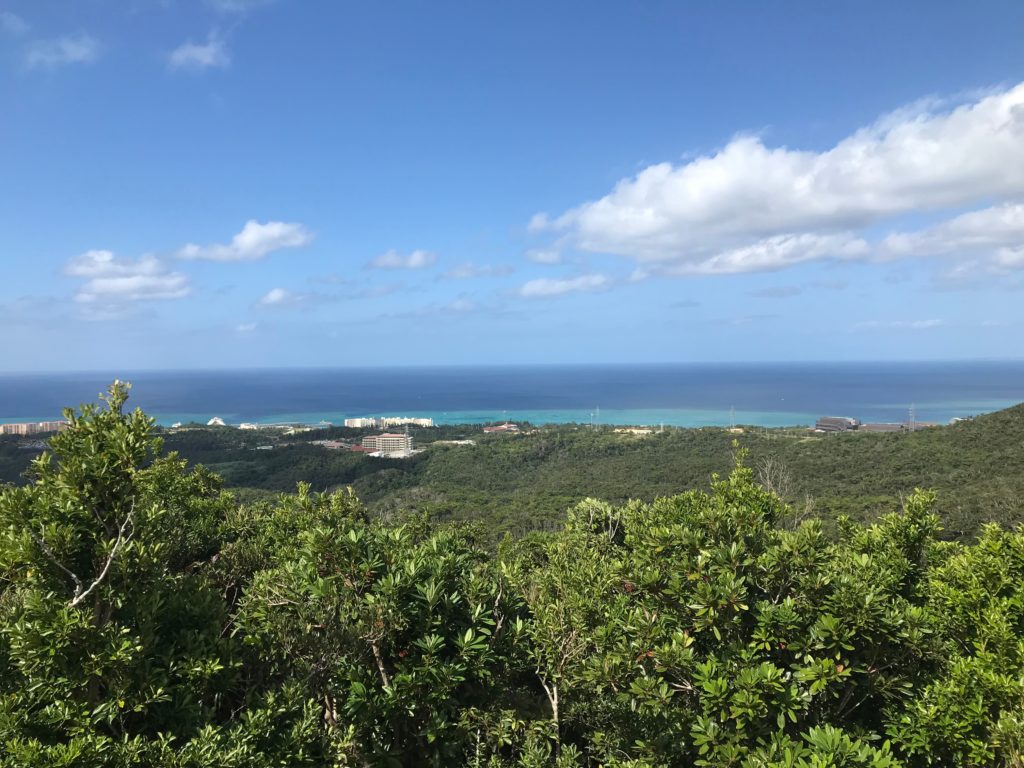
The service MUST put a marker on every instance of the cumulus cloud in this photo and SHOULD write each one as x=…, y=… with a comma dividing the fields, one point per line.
x=395, y=260
x=546, y=287
x=13, y=24
x=254, y=242
x=199, y=56
x=70, y=49
x=469, y=271
x=751, y=207
x=110, y=280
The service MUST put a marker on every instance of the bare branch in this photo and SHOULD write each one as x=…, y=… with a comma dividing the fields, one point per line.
x=118, y=545
x=380, y=664
x=53, y=559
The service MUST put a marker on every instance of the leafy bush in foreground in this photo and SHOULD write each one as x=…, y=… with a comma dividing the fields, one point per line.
x=148, y=619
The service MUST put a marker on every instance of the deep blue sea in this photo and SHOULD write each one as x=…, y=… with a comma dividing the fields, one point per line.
x=677, y=394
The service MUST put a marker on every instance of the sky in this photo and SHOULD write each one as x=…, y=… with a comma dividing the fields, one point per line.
x=273, y=183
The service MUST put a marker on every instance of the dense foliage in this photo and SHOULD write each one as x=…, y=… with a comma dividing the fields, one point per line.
x=147, y=618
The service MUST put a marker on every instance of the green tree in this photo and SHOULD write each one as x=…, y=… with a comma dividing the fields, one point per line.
x=112, y=643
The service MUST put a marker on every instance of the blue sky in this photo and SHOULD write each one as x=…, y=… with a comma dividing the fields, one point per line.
x=227, y=183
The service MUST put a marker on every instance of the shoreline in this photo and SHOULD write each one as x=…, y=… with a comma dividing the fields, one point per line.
x=619, y=417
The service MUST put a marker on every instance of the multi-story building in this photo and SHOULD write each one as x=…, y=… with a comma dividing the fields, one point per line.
x=361, y=423
x=388, y=442
x=388, y=421
x=32, y=428
x=401, y=421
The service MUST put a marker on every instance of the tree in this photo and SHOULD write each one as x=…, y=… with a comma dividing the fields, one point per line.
x=112, y=642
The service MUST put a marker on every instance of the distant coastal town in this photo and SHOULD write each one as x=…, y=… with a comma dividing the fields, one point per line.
x=401, y=443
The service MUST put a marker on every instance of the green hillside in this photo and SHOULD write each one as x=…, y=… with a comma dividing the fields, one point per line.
x=524, y=482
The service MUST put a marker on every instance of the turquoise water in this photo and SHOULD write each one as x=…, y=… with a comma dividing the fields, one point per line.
x=670, y=417
x=677, y=417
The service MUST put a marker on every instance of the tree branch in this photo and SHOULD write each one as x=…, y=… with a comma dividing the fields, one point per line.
x=53, y=559
x=118, y=544
x=380, y=664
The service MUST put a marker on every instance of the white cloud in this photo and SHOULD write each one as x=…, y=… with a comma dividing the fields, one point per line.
x=469, y=271
x=199, y=56
x=110, y=280
x=461, y=305
x=395, y=260
x=237, y=6
x=13, y=24
x=544, y=255
x=246, y=327
x=1009, y=258
x=69, y=49
x=726, y=212
x=544, y=287
x=982, y=230
x=772, y=253
x=776, y=292
x=280, y=298
x=254, y=242
x=912, y=325
x=987, y=241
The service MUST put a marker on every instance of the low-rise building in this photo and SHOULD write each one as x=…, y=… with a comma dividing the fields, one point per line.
x=836, y=424
x=879, y=427
x=507, y=427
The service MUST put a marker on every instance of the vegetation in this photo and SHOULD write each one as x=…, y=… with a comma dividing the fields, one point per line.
x=147, y=618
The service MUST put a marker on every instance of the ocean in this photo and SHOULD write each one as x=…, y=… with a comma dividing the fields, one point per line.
x=689, y=395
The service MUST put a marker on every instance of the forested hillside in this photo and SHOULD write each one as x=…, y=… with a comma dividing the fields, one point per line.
x=518, y=483
x=148, y=619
